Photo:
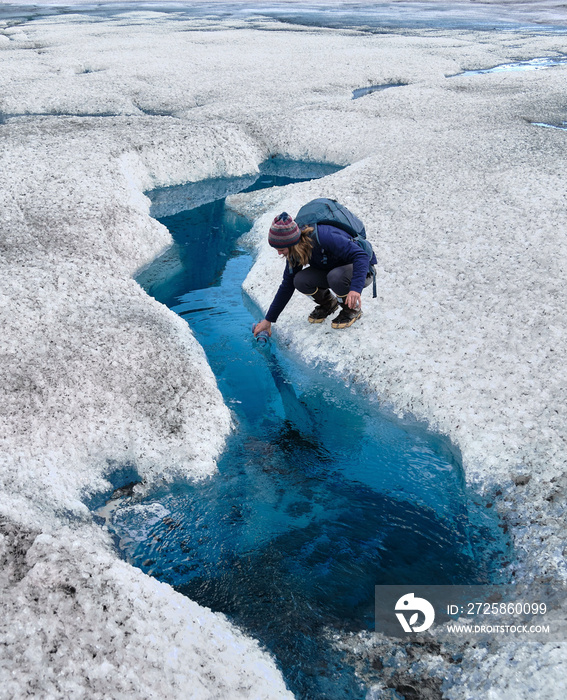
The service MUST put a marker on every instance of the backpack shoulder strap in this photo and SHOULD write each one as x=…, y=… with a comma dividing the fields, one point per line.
x=315, y=235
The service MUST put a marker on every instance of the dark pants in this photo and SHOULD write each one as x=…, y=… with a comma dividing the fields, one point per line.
x=310, y=279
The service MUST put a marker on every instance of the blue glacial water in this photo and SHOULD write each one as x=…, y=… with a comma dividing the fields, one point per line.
x=561, y=127
x=320, y=495
x=361, y=92
x=539, y=63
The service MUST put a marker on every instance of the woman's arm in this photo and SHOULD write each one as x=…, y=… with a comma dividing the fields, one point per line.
x=345, y=251
x=283, y=295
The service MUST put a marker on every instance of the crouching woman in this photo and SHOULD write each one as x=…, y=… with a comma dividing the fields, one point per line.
x=329, y=267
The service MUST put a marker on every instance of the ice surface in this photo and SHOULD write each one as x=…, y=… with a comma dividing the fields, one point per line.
x=369, y=16
x=464, y=201
x=78, y=623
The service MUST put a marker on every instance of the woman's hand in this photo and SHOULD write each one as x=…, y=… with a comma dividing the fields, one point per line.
x=263, y=326
x=352, y=300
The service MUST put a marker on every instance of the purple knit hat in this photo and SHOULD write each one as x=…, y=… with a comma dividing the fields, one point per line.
x=284, y=232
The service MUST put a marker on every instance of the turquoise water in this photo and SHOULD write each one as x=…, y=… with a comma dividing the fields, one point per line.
x=320, y=494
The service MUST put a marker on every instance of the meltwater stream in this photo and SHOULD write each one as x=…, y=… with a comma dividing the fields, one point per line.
x=320, y=494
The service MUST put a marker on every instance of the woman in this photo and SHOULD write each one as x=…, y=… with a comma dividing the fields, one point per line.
x=318, y=266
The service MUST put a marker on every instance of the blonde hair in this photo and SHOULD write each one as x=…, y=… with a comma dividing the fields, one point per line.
x=300, y=253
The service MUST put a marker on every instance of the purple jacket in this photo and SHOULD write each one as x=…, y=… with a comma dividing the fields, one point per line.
x=335, y=249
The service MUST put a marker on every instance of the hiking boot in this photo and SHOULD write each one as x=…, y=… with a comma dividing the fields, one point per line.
x=347, y=317
x=326, y=304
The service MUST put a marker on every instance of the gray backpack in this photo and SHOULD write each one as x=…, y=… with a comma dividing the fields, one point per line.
x=330, y=212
